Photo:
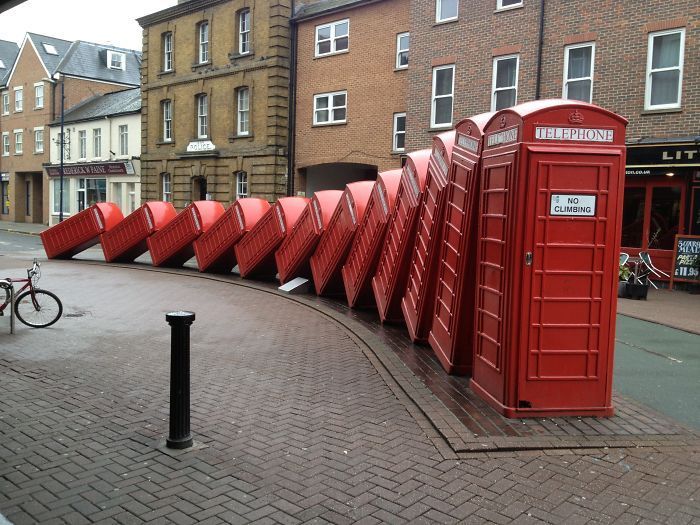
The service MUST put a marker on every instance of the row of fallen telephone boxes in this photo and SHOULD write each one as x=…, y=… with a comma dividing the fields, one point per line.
x=497, y=247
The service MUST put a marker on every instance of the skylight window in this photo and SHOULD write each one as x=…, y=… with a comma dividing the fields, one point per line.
x=2, y=64
x=49, y=48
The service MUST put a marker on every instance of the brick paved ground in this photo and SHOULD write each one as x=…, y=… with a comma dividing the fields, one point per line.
x=299, y=423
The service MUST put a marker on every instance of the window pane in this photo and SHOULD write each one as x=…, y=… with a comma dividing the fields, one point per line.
x=322, y=115
x=664, y=87
x=339, y=114
x=403, y=58
x=580, y=62
x=323, y=33
x=505, y=72
x=341, y=44
x=403, y=42
x=447, y=9
x=666, y=51
x=443, y=82
x=443, y=110
x=338, y=100
x=633, y=217
x=57, y=196
x=341, y=29
x=579, y=90
x=321, y=102
x=324, y=47
x=505, y=98
x=400, y=141
x=400, y=123
x=665, y=213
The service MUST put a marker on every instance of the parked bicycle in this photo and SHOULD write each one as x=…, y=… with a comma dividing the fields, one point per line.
x=33, y=306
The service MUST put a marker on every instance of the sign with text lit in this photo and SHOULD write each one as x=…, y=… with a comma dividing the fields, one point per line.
x=574, y=134
x=572, y=205
x=92, y=169
x=659, y=155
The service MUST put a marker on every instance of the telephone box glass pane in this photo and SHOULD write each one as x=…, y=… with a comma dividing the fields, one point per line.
x=665, y=215
x=633, y=217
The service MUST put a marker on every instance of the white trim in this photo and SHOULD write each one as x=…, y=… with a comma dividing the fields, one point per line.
x=330, y=108
x=501, y=7
x=167, y=52
x=202, y=24
x=332, y=39
x=111, y=54
x=395, y=133
x=167, y=137
x=239, y=184
x=648, y=83
x=199, y=98
x=566, y=80
x=43, y=95
x=246, y=32
x=4, y=94
x=38, y=56
x=438, y=10
x=496, y=60
x=239, y=93
x=400, y=50
x=36, y=130
x=434, y=97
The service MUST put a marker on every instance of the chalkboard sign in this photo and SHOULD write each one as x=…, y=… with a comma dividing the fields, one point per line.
x=686, y=259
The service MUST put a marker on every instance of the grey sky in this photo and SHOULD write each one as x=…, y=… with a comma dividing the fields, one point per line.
x=101, y=21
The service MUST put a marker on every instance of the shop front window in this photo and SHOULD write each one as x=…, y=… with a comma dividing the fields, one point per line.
x=57, y=196
x=652, y=215
x=633, y=217
x=665, y=216
x=5, y=186
x=91, y=191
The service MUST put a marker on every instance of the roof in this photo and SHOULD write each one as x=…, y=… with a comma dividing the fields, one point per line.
x=88, y=60
x=324, y=7
x=182, y=8
x=8, y=54
x=101, y=106
x=50, y=60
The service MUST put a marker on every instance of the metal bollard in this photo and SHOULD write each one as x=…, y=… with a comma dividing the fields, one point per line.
x=180, y=436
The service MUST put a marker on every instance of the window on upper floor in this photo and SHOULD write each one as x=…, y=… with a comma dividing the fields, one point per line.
x=330, y=108
x=167, y=42
x=202, y=103
x=39, y=95
x=505, y=82
x=5, y=103
x=123, y=140
x=446, y=10
x=332, y=38
x=6, y=144
x=97, y=143
x=19, y=138
x=166, y=187
x=402, y=43
x=244, y=32
x=243, y=111
x=442, y=97
x=19, y=99
x=82, y=144
x=38, y=140
x=578, y=72
x=506, y=4
x=167, y=112
x=399, y=140
x=241, y=185
x=664, y=69
x=203, y=42
x=116, y=60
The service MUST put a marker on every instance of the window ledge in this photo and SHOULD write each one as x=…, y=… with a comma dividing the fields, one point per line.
x=510, y=8
x=166, y=73
x=397, y=69
x=236, y=55
x=448, y=21
x=334, y=53
x=19, y=111
x=38, y=153
x=199, y=65
x=441, y=127
x=661, y=111
x=327, y=124
x=38, y=107
x=233, y=137
x=164, y=142
x=398, y=152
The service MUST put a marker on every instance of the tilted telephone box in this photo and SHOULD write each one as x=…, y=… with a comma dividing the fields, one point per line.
x=550, y=205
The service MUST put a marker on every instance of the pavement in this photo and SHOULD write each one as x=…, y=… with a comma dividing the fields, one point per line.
x=302, y=413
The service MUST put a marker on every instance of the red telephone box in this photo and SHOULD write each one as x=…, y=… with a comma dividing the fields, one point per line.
x=550, y=210
x=172, y=245
x=293, y=255
x=364, y=254
x=81, y=231
x=452, y=324
x=127, y=240
x=256, y=251
x=419, y=297
x=389, y=281
x=214, y=248
x=335, y=242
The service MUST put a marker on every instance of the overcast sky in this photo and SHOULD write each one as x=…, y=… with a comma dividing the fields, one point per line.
x=100, y=21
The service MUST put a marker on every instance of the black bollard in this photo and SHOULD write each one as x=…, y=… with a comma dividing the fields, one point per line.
x=180, y=436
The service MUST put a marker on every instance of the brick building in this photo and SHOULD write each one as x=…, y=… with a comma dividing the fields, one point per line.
x=8, y=55
x=638, y=59
x=350, y=90
x=31, y=99
x=215, y=100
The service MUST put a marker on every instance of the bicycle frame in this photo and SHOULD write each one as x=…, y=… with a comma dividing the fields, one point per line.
x=27, y=284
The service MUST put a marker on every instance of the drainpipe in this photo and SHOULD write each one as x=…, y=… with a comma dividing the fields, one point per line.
x=292, y=103
x=540, y=45
x=63, y=139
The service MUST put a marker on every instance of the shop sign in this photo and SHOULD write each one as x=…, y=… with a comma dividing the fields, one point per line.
x=660, y=155
x=686, y=258
x=572, y=205
x=197, y=146
x=93, y=168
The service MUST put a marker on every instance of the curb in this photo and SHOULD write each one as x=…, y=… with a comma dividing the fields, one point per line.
x=8, y=230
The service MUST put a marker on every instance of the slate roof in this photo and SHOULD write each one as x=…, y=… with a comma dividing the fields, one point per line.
x=100, y=106
x=49, y=60
x=326, y=6
x=8, y=54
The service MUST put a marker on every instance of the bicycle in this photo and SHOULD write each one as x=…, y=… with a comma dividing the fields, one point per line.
x=33, y=306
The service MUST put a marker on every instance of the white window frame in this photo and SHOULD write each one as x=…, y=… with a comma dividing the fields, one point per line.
x=39, y=140
x=433, y=98
x=167, y=106
x=38, y=95
x=241, y=185
x=19, y=144
x=202, y=116
x=243, y=111
x=120, y=63
x=330, y=108
x=5, y=143
x=97, y=143
x=6, y=103
x=400, y=50
x=50, y=49
x=501, y=7
x=565, y=83
x=333, y=38
x=496, y=60
x=19, y=102
x=396, y=133
x=123, y=140
x=82, y=144
x=166, y=181
x=244, y=32
x=203, y=42
x=168, y=51
x=438, y=12
x=649, y=72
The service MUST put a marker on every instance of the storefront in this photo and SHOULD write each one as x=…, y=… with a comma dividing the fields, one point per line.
x=86, y=184
x=662, y=197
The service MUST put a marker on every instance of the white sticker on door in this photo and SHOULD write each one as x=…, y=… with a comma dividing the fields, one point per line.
x=573, y=205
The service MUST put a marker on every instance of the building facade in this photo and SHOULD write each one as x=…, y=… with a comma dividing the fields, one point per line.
x=8, y=55
x=638, y=59
x=351, y=78
x=50, y=75
x=215, y=101
x=101, y=155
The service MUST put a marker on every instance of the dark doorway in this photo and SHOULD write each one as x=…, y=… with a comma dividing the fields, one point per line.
x=199, y=189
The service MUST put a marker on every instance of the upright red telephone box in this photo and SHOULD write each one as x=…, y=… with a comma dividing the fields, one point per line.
x=550, y=206
x=452, y=325
x=364, y=254
x=293, y=255
x=419, y=297
x=389, y=281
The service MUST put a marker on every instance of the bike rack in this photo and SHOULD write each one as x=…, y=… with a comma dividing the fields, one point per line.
x=8, y=286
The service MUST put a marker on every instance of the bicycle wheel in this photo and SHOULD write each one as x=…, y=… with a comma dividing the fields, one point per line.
x=48, y=312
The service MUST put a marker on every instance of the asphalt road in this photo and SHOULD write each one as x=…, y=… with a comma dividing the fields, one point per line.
x=655, y=365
